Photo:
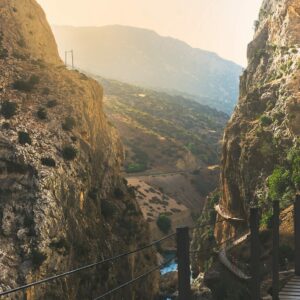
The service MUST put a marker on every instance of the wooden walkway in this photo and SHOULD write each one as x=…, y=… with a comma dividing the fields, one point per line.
x=291, y=290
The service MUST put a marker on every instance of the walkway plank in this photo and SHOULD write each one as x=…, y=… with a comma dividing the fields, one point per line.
x=291, y=290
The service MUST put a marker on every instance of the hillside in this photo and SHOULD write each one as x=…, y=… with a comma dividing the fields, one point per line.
x=63, y=201
x=162, y=133
x=142, y=57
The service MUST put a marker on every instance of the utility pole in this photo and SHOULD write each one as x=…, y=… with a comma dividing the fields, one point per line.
x=72, y=57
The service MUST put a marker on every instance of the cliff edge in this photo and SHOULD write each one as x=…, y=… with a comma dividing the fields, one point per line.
x=63, y=203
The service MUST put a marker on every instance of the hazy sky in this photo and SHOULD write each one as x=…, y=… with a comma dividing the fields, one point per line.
x=221, y=26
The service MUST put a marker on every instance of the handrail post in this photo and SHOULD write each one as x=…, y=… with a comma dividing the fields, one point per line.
x=183, y=255
x=297, y=234
x=255, y=254
x=275, y=256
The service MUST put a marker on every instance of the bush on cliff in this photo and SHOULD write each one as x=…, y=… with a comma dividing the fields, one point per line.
x=24, y=138
x=265, y=120
x=26, y=85
x=69, y=153
x=48, y=161
x=42, y=113
x=8, y=109
x=107, y=209
x=68, y=124
x=164, y=223
x=278, y=182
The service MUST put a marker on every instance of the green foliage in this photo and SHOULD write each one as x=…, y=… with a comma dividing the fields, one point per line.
x=24, y=138
x=42, y=113
x=3, y=53
x=266, y=219
x=108, y=209
x=52, y=103
x=26, y=85
x=68, y=124
x=69, y=152
x=278, y=183
x=164, y=223
x=37, y=258
x=265, y=120
x=60, y=244
x=118, y=193
x=135, y=168
x=48, y=161
x=293, y=158
x=8, y=109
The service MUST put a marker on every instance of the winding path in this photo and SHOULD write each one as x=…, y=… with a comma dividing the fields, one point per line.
x=227, y=263
x=225, y=215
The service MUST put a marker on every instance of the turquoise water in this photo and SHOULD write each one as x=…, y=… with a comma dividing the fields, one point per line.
x=171, y=267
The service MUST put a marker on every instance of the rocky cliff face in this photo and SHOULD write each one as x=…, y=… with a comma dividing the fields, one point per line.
x=62, y=201
x=261, y=141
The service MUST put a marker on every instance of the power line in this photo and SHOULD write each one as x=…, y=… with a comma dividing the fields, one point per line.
x=134, y=280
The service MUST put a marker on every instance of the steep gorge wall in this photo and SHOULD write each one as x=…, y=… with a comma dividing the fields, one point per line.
x=57, y=213
x=265, y=125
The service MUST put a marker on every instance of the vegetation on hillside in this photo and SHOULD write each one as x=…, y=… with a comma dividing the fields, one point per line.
x=158, y=128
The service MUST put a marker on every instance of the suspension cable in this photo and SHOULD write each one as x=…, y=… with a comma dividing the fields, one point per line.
x=85, y=267
x=134, y=280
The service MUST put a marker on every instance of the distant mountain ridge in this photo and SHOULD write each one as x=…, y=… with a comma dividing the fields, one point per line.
x=142, y=57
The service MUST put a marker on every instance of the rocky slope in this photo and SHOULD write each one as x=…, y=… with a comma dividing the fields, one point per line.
x=261, y=150
x=261, y=142
x=62, y=201
x=142, y=57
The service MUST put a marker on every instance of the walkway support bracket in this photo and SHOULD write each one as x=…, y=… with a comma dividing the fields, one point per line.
x=183, y=255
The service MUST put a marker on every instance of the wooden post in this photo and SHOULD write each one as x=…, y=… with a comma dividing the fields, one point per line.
x=297, y=234
x=255, y=254
x=275, y=252
x=183, y=255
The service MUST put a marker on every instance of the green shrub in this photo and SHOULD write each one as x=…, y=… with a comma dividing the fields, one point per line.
x=278, y=183
x=37, y=258
x=42, y=113
x=3, y=53
x=6, y=126
x=267, y=219
x=52, y=103
x=69, y=152
x=8, y=109
x=48, y=161
x=294, y=160
x=26, y=85
x=265, y=120
x=24, y=138
x=107, y=209
x=164, y=223
x=68, y=124
x=118, y=193
x=135, y=168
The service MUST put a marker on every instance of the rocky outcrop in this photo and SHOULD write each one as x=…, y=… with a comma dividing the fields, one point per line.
x=265, y=126
x=63, y=203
